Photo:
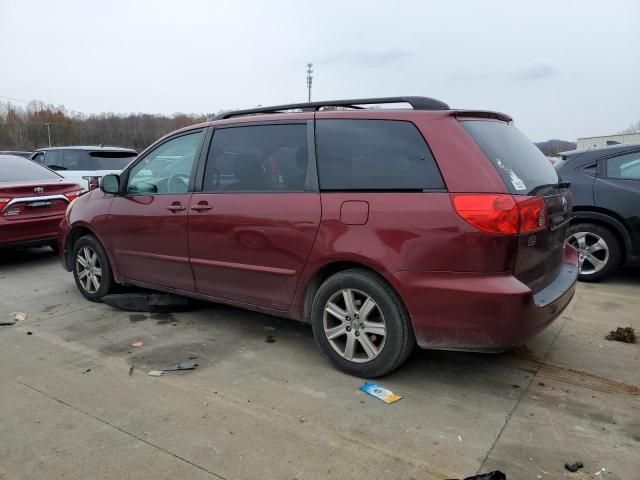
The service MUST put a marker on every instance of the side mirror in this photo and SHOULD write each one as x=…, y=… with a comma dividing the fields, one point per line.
x=110, y=184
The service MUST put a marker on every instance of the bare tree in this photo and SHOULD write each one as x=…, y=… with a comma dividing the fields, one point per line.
x=25, y=128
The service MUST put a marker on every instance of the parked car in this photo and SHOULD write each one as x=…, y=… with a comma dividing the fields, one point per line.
x=33, y=200
x=605, y=227
x=85, y=165
x=16, y=153
x=382, y=228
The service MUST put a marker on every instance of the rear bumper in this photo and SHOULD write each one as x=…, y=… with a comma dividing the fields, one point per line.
x=492, y=312
x=29, y=232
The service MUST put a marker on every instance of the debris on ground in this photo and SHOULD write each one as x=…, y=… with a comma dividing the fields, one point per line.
x=459, y=438
x=180, y=366
x=270, y=339
x=149, y=302
x=87, y=371
x=29, y=333
x=625, y=335
x=375, y=390
x=137, y=344
x=131, y=370
x=495, y=475
x=573, y=467
x=173, y=368
x=20, y=316
x=600, y=472
x=6, y=324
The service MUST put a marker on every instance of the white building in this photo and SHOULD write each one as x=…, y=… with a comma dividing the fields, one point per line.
x=590, y=142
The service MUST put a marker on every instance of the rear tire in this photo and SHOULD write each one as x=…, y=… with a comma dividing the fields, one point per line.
x=360, y=323
x=599, y=250
x=91, y=268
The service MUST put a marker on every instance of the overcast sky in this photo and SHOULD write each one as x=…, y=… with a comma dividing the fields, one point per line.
x=562, y=69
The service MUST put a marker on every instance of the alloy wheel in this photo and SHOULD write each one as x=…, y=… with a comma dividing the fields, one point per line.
x=89, y=269
x=354, y=325
x=593, y=251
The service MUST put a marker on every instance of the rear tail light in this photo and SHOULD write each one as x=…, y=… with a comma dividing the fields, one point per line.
x=71, y=196
x=533, y=213
x=3, y=203
x=501, y=214
x=94, y=182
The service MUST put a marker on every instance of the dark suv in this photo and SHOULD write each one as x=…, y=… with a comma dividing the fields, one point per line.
x=383, y=228
x=606, y=221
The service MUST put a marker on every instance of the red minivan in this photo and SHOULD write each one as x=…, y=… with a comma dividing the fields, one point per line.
x=383, y=228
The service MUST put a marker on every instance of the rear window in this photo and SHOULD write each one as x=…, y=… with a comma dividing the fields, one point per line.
x=374, y=155
x=112, y=160
x=521, y=164
x=23, y=170
x=78, y=160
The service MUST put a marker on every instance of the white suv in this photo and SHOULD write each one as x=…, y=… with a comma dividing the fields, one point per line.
x=84, y=165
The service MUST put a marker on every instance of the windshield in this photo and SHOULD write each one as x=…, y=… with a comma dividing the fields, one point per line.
x=521, y=164
x=14, y=169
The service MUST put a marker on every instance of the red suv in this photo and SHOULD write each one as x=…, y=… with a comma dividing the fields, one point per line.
x=383, y=228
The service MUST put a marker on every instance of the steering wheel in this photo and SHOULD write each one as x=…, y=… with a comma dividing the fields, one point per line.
x=178, y=183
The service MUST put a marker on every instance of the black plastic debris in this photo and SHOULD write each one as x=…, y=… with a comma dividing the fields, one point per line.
x=180, y=366
x=149, y=302
x=173, y=368
x=6, y=324
x=496, y=475
x=573, y=467
x=270, y=339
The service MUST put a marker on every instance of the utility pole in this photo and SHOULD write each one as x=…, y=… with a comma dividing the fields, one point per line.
x=309, y=79
x=49, y=132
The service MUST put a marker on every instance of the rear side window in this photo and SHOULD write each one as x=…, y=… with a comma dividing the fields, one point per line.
x=374, y=155
x=53, y=159
x=259, y=158
x=521, y=164
x=23, y=170
x=624, y=166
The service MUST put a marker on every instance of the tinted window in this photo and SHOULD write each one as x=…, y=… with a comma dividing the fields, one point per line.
x=77, y=160
x=521, y=164
x=111, y=160
x=258, y=158
x=167, y=168
x=23, y=170
x=374, y=155
x=38, y=157
x=624, y=166
x=53, y=159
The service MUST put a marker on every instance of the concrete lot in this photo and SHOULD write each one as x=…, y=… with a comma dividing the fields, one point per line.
x=69, y=407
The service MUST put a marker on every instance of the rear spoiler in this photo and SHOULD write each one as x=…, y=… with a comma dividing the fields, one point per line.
x=459, y=114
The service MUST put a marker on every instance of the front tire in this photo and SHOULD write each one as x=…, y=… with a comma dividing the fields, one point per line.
x=360, y=323
x=598, y=249
x=91, y=269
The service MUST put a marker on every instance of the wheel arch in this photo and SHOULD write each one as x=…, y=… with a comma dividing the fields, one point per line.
x=331, y=268
x=77, y=232
x=608, y=220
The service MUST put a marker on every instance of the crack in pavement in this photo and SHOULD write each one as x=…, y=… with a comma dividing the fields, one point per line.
x=520, y=398
x=62, y=402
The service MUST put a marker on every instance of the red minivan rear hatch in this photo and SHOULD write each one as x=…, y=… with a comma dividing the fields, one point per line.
x=541, y=202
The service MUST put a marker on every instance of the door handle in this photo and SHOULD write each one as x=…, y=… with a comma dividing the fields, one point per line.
x=176, y=207
x=201, y=207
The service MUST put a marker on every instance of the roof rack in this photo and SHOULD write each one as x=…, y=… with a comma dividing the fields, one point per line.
x=418, y=103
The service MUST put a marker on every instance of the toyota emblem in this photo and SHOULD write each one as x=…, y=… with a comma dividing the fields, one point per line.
x=38, y=190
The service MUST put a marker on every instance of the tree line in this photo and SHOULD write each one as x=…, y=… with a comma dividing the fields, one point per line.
x=38, y=125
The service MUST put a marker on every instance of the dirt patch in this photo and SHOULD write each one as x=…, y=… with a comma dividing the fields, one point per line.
x=625, y=335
